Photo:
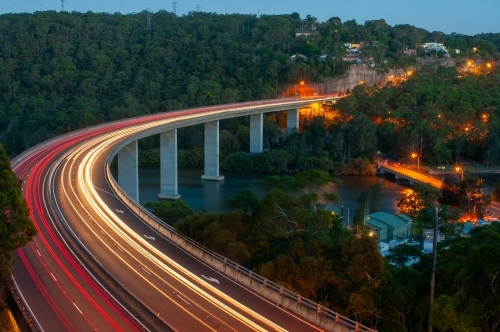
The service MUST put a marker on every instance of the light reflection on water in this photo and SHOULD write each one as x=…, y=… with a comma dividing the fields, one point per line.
x=211, y=195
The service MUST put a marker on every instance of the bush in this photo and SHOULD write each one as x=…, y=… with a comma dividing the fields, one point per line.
x=238, y=162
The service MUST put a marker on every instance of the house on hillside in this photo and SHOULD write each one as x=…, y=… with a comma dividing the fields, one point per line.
x=436, y=47
x=305, y=32
x=389, y=227
x=296, y=57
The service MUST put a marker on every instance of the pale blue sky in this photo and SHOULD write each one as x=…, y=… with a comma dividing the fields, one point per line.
x=462, y=16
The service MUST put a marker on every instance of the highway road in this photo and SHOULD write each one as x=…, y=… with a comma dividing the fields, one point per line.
x=54, y=282
x=71, y=200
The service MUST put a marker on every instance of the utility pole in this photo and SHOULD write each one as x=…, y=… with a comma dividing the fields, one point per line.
x=148, y=21
x=62, y=5
x=433, y=271
x=174, y=7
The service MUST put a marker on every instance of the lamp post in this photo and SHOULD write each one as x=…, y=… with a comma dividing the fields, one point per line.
x=460, y=169
x=413, y=155
x=433, y=271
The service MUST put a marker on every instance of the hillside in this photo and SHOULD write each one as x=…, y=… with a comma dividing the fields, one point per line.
x=64, y=71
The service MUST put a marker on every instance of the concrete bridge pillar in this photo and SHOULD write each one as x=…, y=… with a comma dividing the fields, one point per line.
x=168, y=166
x=256, y=132
x=128, y=170
x=212, y=152
x=292, y=121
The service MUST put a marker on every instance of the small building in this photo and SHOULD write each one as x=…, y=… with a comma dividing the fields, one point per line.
x=429, y=235
x=305, y=32
x=482, y=222
x=322, y=57
x=410, y=51
x=436, y=47
x=389, y=227
x=466, y=228
x=351, y=56
x=296, y=57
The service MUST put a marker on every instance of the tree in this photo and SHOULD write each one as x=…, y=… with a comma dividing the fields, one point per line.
x=171, y=212
x=16, y=227
x=412, y=201
x=496, y=191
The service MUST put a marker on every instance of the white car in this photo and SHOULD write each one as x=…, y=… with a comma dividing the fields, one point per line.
x=426, y=251
x=413, y=243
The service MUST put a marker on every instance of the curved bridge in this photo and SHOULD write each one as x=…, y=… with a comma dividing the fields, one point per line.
x=100, y=261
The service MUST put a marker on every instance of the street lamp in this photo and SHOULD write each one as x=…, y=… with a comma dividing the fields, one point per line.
x=433, y=270
x=413, y=155
x=460, y=169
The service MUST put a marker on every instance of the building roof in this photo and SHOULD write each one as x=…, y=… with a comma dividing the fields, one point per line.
x=405, y=217
x=467, y=227
x=386, y=218
x=377, y=224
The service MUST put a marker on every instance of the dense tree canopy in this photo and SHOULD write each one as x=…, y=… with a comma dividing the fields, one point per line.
x=16, y=228
x=64, y=71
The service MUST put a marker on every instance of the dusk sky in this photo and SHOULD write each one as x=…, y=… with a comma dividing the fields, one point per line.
x=461, y=16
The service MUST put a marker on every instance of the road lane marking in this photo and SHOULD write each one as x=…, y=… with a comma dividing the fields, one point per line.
x=183, y=300
x=211, y=279
x=77, y=308
x=146, y=270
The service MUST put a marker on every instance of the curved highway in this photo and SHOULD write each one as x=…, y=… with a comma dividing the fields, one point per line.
x=75, y=211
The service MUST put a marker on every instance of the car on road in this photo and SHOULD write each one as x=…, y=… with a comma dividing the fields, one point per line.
x=426, y=251
x=413, y=243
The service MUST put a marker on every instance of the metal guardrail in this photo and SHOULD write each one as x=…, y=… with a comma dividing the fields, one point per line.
x=325, y=317
x=18, y=297
x=411, y=175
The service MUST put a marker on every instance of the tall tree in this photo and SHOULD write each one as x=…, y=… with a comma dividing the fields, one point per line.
x=16, y=227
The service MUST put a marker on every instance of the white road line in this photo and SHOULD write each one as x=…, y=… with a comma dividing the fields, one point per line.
x=183, y=300
x=146, y=270
x=105, y=191
x=77, y=308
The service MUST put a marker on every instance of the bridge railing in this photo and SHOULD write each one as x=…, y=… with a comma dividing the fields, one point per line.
x=285, y=298
x=25, y=309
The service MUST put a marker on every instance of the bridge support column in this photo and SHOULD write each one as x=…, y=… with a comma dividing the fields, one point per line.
x=128, y=170
x=168, y=166
x=212, y=152
x=256, y=132
x=292, y=121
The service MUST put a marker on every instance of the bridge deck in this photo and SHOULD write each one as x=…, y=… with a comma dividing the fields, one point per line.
x=411, y=175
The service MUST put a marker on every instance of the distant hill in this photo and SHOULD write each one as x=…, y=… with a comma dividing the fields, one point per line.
x=64, y=71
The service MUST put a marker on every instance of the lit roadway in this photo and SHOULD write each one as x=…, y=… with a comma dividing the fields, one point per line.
x=411, y=175
x=68, y=193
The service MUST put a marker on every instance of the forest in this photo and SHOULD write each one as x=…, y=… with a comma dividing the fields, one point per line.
x=289, y=237
x=64, y=71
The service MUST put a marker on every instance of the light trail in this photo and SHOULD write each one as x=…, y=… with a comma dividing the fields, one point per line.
x=86, y=184
x=77, y=156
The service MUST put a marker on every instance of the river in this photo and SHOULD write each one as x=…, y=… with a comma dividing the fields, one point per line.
x=211, y=195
